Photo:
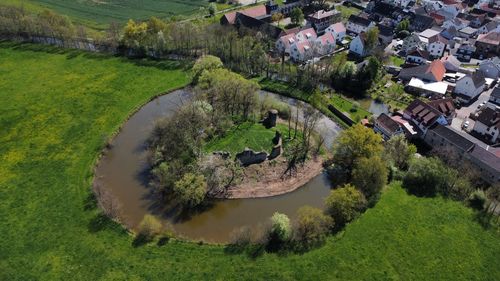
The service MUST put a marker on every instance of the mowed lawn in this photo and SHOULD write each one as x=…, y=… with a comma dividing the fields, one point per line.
x=107, y=11
x=56, y=110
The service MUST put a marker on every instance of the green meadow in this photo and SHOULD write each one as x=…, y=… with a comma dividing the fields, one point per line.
x=107, y=11
x=58, y=108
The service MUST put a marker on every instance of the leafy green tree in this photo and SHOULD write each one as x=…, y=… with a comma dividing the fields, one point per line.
x=205, y=63
x=134, y=34
x=280, y=227
x=345, y=204
x=355, y=143
x=372, y=38
x=312, y=226
x=403, y=25
x=149, y=227
x=190, y=190
x=370, y=175
x=277, y=17
x=399, y=152
x=426, y=176
x=212, y=9
x=297, y=16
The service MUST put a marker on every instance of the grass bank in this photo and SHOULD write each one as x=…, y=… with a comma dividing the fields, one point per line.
x=56, y=109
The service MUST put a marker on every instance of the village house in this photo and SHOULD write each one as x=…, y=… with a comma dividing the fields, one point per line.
x=423, y=116
x=486, y=162
x=436, y=45
x=387, y=127
x=488, y=45
x=465, y=52
x=386, y=34
x=446, y=107
x=358, y=45
x=455, y=23
x=490, y=67
x=421, y=22
x=489, y=27
x=433, y=72
x=413, y=41
x=470, y=86
x=487, y=124
x=322, y=19
x=338, y=31
x=467, y=32
x=324, y=44
x=451, y=63
x=417, y=56
x=357, y=24
x=284, y=43
x=495, y=96
x=449, y=33
x=301, y=51
x=307, y=34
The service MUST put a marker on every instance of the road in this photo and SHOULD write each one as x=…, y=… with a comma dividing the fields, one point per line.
x=464, y=112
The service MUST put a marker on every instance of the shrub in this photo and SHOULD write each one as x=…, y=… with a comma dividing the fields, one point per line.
x=370, y=175
x=344, y=204
x=280, y=226
x=477, y=199
x=311, y=226
x=149, y=228
x=425, y=176
x=190, y=190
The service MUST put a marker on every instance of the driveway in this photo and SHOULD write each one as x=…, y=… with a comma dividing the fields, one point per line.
x=464, y=112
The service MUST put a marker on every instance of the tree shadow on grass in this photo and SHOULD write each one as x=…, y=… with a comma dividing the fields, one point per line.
x=253, y=251
x=90, y=203
x=102, y=222
x=486, y=220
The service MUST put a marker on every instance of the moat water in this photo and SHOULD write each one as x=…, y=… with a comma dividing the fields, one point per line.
x=123, y=171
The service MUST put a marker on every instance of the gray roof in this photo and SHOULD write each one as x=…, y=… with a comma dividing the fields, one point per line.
x=496, y=92
x=486, y=157
x=478, y=79
x=453, y=137
x=359, y=20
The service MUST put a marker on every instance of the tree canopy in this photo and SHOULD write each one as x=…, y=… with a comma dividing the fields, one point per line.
x=345, y=204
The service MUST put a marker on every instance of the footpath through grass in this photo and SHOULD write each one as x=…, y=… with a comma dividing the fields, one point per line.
x=56, y=109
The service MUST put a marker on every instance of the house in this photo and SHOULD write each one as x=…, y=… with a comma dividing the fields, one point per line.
x=421, y=22
x=449, y=33
x=324, y=44
x=456, y=23
x=357, y=24
x=387, y=127
x=489, y=27
x=338, y=31
x=423, y=116
x=470, y=86
x=428, y=89
x=446, y=107
x=465, y=52
x=301, y=51
x=428, y=33
x=444, y=136
x=284, y=43
x=488, y=44
x=417, y=56
x=451, y=63
x=433, y=72
x=386, y=34
x=495, y=96
x=307, y=34
x=436, y=46
x=322, y=19
x=439, y=19
x=255, y=12
x=490, y=67
x=487, y=124
x=358, y=45
x=467, y=32
x=485, y=161
x=413, y=41
x=475, y=21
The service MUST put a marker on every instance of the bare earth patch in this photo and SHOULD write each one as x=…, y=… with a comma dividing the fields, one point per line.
x=266, y=179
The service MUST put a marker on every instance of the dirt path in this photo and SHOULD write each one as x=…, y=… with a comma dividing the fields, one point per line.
x=265, y=180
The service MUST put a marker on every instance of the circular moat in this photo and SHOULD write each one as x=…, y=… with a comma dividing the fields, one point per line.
x=123, y=172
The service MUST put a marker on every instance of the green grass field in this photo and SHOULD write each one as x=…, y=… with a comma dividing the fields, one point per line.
x=56, y=110
x=252, y=135
x=107, y=11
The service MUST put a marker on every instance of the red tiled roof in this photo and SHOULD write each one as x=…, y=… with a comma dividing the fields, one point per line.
x=492, y=38
x=253, y=12
x=437, y=69
x=338, y=27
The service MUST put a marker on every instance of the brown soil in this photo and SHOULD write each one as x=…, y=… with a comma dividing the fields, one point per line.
x=266, y=179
